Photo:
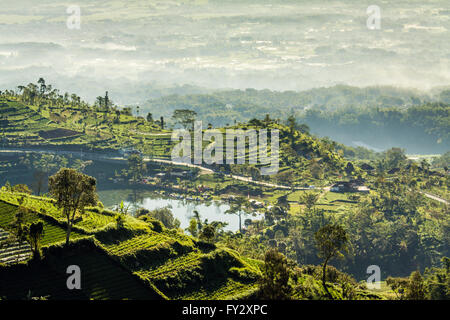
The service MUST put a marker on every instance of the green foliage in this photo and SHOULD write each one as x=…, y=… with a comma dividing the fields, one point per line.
x=156, y=257
x=136, y=167
x=184, y=117
x=73, y=191
x=208, y=233
x=193, y=229
x=164, y=215
x=377, y=114
x=35, y=231
x=331, y=240
x=274, y=281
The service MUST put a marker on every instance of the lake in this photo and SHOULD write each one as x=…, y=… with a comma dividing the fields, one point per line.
x=181, y=209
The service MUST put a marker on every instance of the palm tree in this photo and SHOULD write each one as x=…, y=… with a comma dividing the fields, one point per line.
x=199, y=221
x=239, y=206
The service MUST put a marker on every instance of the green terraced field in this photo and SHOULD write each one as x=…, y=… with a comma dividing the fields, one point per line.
x=105, y=279
x=227, y=290
x=171, y=267
x=134, y=262
x=53, y=233
x=101, y=278
x=141, y=242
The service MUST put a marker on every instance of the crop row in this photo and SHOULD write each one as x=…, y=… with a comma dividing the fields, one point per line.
x=137, y=243
x=53, y=233
x=101, y=279
x=172, y=266
x=218, y=291
x=93, y=221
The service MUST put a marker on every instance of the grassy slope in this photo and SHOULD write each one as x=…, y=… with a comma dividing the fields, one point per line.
x=140, y=260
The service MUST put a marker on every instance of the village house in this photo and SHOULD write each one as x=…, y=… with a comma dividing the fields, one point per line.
x=349, y=186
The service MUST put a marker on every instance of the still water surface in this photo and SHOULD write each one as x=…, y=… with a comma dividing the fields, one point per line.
x=181, y=209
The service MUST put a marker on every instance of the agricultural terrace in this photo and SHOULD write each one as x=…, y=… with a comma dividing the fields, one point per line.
x=142, y=259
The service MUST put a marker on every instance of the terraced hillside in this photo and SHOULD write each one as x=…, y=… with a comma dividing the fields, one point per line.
x=77, y=127
x=53, y=232
x=102, y=278
x=136, y=260
x=20, y=122
x=11, y=250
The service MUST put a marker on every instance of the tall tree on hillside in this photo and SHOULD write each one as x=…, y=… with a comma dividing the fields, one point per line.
x=35, y=232
x=73, y=191
x=185, y=117
x=292, y=123
x=208, y=233
x=416, y=287
x=99, y=101
x=106, y=101
x=42, y=86
x=330, y=241
x=274, y=281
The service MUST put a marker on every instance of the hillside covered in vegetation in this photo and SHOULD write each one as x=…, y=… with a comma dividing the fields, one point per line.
x=379, y=117
x=383, y=208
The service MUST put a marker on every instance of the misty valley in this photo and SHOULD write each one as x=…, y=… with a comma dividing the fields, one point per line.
x=256, y=151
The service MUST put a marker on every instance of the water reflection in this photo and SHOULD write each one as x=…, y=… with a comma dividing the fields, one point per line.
x=181, y=209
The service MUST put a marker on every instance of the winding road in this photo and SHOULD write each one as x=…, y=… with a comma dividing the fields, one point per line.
x=105, y=157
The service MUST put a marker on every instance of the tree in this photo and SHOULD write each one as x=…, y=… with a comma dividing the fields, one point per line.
x=136, y=167
x=398, y=285
x=274, y=281
x=42, y=86
x=38, y=177
x=309, y=199
x=208, y=233
x=394, y=157
x=292, y=123
x=21, y=188
x=35, y=232
x=239, y=206
x=185, y=117
x=349, y=168
x=283, y=202
x=73, y=191
x=106, y=101
x=164, y=215
x=149, y=117
x=193, y=227
x=416, y=287
x=330, y=241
